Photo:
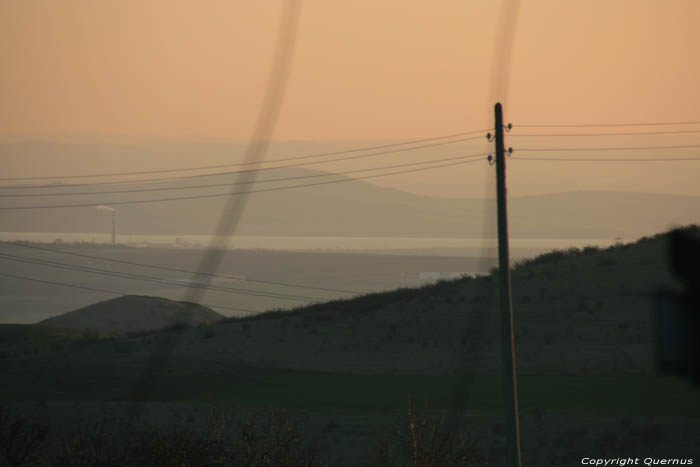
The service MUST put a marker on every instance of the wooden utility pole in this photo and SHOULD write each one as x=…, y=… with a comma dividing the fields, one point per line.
x=510, y=387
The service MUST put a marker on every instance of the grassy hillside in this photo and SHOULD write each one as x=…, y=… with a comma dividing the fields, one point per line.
x=576, y=312
x=133, y=313
x=583, y=348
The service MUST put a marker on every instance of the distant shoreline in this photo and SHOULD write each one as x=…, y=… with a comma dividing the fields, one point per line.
x=434, y=246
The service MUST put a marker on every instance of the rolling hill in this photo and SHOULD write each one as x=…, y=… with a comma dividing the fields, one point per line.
x=583, y=329
x=133, y=313
x=355, y=208
x=576, y=312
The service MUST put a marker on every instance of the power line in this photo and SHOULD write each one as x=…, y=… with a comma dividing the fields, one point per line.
x=579, y=159
x=235, y=205
x=611, y=134
x=219, y=195
x=190, y=187
x=308, y=156
x=88, y=269
x=112, y=292
x=249, y=171
x=593, y=125
x=103, y=272
x=626, y=148
x=164, y=268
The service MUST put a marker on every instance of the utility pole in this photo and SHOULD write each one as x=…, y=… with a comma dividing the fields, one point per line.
x=510, y=387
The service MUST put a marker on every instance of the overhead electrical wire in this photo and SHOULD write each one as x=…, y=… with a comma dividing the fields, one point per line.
x=214, y=185
x=261, y=169
x=308, y=156
x=91, y=270
x=165, y=268
x=611, y=148
x=214, y=174
x=594, y=125
x=348, y=151
x=234, y=206
x=104, y=272
x=475, y=158
x=634, y=133
x=113, y=292
x=581, y=159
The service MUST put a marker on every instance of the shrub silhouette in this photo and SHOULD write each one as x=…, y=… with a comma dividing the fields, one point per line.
x=426, y=441
x=92, y=445
x=160, y=447
x=20, y=439
x=262, y=439
x=275, y=441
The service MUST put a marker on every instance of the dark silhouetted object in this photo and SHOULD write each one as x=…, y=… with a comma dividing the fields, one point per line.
x=510, y=387
x=677, y=315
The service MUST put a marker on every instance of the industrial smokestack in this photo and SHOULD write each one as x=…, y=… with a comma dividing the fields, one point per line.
x=114, y=227
x=102, y=207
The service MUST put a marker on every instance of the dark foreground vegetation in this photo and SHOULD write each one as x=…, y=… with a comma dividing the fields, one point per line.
x=342, y=373
x=267, y=439
x=263, y=438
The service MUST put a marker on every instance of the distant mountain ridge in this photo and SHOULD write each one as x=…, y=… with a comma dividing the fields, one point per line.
x=353, y=208
x=133, y=313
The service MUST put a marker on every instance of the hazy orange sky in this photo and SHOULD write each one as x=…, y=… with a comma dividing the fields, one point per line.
x=363, y=70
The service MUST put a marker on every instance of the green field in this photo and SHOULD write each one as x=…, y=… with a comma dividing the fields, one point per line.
x=630, y=394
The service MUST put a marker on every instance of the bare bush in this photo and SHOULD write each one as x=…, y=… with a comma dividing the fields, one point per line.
x=426, y=441
x=274, y=441
x=20, y=439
